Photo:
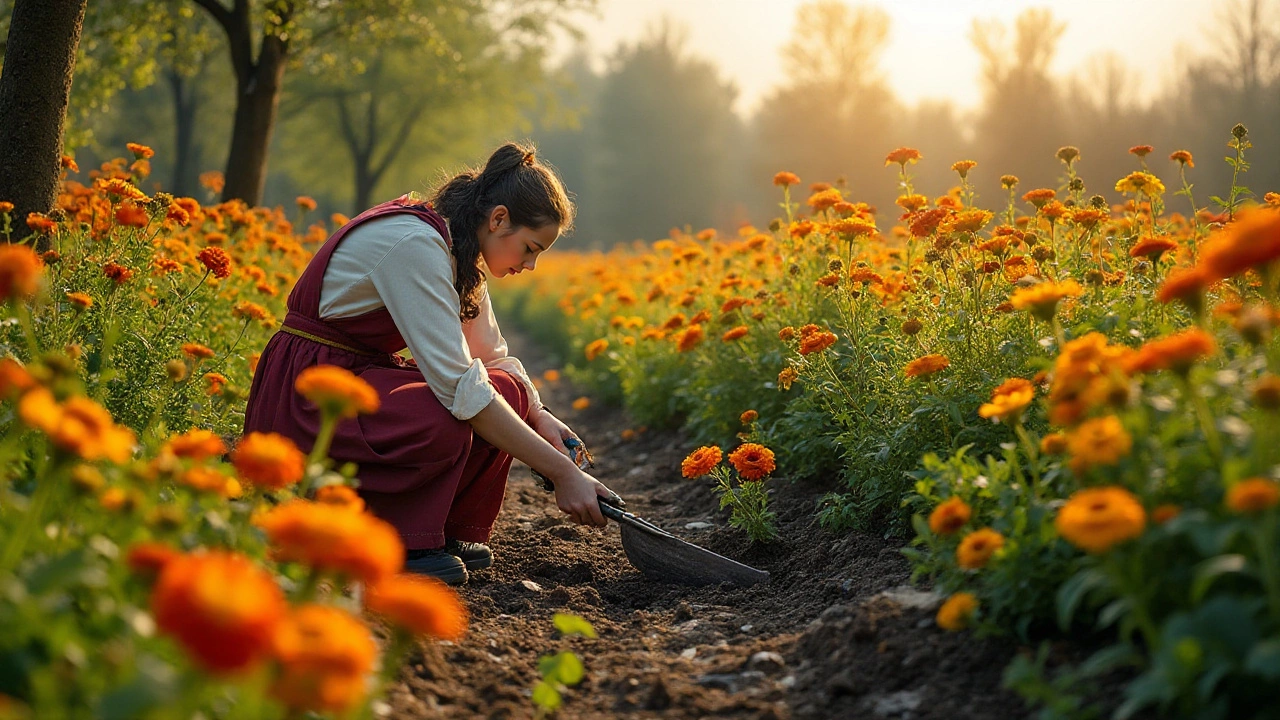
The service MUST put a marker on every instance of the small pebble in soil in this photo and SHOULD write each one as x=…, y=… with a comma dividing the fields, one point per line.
x=767, y=662
x=746, y=628
x=689, y=653
x=531, y=586
x=683, y=612
x=699, y=525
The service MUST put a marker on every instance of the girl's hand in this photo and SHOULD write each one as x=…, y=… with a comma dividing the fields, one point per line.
x=576, y=495
x=551, y=429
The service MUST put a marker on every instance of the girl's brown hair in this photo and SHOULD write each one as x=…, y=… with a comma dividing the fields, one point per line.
x=514, y=177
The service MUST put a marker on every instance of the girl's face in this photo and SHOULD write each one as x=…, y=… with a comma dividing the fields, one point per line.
x=510, y=250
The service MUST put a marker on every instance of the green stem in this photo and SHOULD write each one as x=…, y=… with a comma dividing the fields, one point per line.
x=1033, y=454
x=1205, y=416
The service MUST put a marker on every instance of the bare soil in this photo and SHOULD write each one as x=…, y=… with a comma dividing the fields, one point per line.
x=836, y=633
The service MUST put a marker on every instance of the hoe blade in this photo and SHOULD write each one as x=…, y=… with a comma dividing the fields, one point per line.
x=664, y=557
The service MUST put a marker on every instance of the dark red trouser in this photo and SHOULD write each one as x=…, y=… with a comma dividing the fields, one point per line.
x=458, y=491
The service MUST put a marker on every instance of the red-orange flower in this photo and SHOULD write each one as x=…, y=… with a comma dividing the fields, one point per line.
x=333, y=537
x=20, y=270
x=902, y=156
x=785, y=179
x=816, y=342
x=1177, y=352
x=736, y=333
x=752, y=461
x=926, y=365
x=422, y=605
x=269, y=460
x=216, y=260
x=701, y=461
x=197, y=444
x=949, y=516
x=325, y=657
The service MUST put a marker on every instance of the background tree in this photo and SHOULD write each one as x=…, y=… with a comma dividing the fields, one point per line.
x=35, y=87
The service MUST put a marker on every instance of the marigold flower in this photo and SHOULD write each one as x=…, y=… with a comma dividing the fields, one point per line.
x=196, y=351
x=1164, y=513
x=325, y=656
x=337, y=391
x=730, y=305
x=216, y=260
x=912, y=327
x=1177, y=352
x=701, y=461
x=1152, y=247
x=148, y=559
x=1252, y=241
x=121, y=189
x=306, y=203
x=1054, y=443
x=1139, y=182
x=957, y=612
x=1182, y=156
x=20, y=270
x=130, y=215
x=925, y=223
x=1187, y=285
x=902, y=156
x=1039, y=196
x=1272, y=199
x=212, y=180
x=786, y=179
x=816, y=342
x=1141, y=150
x=14, y=379
x=689, y=338
x=736, y=333
x=748, y=417
x=220, y=607
x=333, y=537
x=141, y=152
x=786, y=377
x=752, y=461
x=81, y=300
x=963, y=167
x=1068, y=154
x=197, y=444
x=977, y=548
x=967, y=221
x=854, y=227
x=1097, y=519
x=1100, y=441
x=1008, y=182
x=950, y=515
x=178, y=214
x=1009, y=400
x=269, y=460
x=911, y=203
x=118, y=273
x=79, y=426
x=582, y=403
x=341, y=495
x=865, y=275
x=175, y=370
x=551, y=376
x=824, y=199
x=206, y=479
x=422, y=605
x=926, y=365
x=595, y=348
x=6, y=207
x=1253, y=495
x=1041, y=299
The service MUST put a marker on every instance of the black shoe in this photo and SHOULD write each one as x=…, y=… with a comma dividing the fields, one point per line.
x=476, y=556
x=438, y=563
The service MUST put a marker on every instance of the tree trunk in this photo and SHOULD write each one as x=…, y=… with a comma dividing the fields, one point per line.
x=185, y=101
x=34, y=90
x=257, y=100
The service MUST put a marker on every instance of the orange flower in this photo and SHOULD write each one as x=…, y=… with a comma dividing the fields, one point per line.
x=337, y=391
x=925, y=223
x=595, y=347
x=117, y=188
x=816, y=342
x=1187, y=285
x=118, y=273
x=216, y=260
x=141, y=152
x=957, y=612
x=20, y=270
x=902, y=156
x=220, y=607
x=926, y=365
x=1041, y=299
x=306, y=203
x=786, y=377
x=977, y=548
x=912, y=203
x=333, y=537
x=269, y=460
x=1183, y=157
x=1177, y=352
x=214, y=383
x=689, y=338
x=736, y=333
x=1068, y=154
x=748, y=417
x=785, y=179
x=1253, y=495
x=1152, y=247
x=1252, y=241
x=854, y=226
x=730, y=305
x=551, y=376
x=1141, y=150
x=130, y=215
x=1097, y=519
x=196, y=351
x=250, y=311
x=1037, y=197
x=14, y=379
x=1009, y=400
x=81, y=300
x=198, y=444
x=950, y=515
x=325, y=657
x=582, y=403
x=963, y=167
x=149, y=559
x=209, y=480
x=212, y=180
x=824, y=199
x=1100, y=441
x=340, y=495
x=1054, y=443
x=701, y=461
x=424, y=606
x=752, y=461
x=79, y=426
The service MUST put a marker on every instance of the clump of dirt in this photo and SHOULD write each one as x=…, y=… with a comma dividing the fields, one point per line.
x=836, y=633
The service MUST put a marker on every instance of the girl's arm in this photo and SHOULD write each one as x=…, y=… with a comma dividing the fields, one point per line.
x=576, y=491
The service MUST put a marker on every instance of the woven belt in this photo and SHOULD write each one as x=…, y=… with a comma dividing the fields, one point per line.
x=323, y=341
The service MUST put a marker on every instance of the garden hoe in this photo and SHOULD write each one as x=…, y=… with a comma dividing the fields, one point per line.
x=656, y=553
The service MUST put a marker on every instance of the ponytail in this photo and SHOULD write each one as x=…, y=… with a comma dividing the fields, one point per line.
x=514, y=177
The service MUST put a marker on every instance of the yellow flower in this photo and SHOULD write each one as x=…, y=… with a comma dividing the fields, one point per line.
x=1139, y=182
x=1253, y=495
x=963, y=167
x=337, y=391
x=1096, y=519
x=1042, y=299
x=950, y=515
x=957, y=612
x=1100, y=441
x=1009, y=400
x=977, y=548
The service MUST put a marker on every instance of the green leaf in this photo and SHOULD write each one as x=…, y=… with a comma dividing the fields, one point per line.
x=569, y=624
x=1212, y=569
x=1264, y=659
x=564, y=668
x=1074, y=591
x=545, y=696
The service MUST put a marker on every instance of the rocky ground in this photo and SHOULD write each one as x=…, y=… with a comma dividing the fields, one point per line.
x=837, y=632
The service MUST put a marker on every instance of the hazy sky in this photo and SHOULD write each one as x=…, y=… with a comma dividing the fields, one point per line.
x=929, y=54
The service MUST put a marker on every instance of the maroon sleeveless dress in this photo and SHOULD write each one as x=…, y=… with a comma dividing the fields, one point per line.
x=420, y=468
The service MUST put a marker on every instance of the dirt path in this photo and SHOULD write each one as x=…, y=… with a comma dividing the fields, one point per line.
x=836, y=633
